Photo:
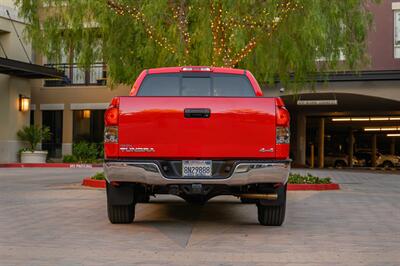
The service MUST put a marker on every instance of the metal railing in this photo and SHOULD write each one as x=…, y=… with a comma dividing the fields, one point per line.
x=96, y=74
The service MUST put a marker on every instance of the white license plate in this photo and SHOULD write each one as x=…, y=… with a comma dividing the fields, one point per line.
x=196, y=168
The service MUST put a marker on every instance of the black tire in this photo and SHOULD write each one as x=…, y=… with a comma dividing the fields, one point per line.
x=121, y=214
x=340, y=164
x=271, y=215
x=387, y=164
x=248, y=201
x=120, y=204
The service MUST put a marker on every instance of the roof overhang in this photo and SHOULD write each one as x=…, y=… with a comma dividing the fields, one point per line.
x=365, y=75
x=26, y=70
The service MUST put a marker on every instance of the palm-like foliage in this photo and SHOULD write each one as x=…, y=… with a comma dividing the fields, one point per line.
x=34, y=135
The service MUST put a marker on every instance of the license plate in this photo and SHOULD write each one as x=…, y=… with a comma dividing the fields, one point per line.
x=196, y=168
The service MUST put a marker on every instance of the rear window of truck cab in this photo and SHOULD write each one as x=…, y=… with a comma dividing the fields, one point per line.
x=196, y=84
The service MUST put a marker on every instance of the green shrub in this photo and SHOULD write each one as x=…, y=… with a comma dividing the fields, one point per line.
x=70, y=159
x=307, y=179
x=85, y=152
x=34, y=135
x=99, y=176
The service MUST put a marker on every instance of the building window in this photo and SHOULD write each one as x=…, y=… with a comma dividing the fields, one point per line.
x=88, y=126
x=32, y=118
x=397, y=34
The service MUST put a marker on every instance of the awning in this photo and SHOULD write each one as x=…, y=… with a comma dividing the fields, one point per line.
x=27, y=70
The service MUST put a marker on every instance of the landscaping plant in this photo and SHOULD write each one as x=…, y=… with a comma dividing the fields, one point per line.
x=307, y=179
x=33, y=135
x=99, y=176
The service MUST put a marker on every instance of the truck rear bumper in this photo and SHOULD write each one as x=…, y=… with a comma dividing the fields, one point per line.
x=244, y=173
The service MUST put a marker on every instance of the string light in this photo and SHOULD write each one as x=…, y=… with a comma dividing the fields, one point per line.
x=140, y=17
x=179, y=14
x=222, y=27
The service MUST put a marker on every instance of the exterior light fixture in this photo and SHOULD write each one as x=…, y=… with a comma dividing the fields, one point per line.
x=381, y=128
x=360, y=119
x=86, y=114
x=341, y=119
x=366, y=118
x=24, y=103
x=393, y=135
x=317, y=102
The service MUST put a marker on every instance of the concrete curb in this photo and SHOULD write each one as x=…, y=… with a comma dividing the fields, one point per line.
x=48, y=165
x=88, y=182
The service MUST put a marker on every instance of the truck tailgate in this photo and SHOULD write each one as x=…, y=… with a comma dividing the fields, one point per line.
x=156, y=127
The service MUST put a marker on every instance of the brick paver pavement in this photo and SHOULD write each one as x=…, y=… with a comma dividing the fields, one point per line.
x=46, y=218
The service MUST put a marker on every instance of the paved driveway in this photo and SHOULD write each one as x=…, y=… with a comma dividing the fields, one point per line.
x=46, y=218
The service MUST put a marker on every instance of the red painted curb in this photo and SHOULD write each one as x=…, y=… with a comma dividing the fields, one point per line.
x=332, y=186
x=88, y=182
x=48, y=165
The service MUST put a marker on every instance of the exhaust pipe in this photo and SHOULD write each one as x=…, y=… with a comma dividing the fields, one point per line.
x=273, y=196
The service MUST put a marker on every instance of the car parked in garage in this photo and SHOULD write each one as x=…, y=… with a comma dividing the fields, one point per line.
x=382, y=160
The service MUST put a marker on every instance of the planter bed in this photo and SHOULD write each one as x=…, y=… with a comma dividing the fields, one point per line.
x=88, y=182
x=48, y=165
x=332, y=186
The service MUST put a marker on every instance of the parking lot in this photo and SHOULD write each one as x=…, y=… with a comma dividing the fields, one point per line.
x=47, y=218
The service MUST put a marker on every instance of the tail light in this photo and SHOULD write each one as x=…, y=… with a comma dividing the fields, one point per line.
x=112, y=113
x=282, y=123
x=282, y=114
x=111, y=118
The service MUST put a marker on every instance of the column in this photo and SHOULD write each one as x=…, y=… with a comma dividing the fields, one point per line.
x=393, y=146
x=351, y=147
x=301, y=139
x=67, y=131
x=321, y=142
x=373, y=150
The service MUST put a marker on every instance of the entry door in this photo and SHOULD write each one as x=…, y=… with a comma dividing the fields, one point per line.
x=53, y=120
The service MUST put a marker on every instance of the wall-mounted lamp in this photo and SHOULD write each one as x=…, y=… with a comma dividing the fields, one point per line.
x=24, y=103
x=86, y=114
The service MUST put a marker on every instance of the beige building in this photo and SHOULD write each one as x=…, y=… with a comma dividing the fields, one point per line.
x=11, y=119
x=16, y=79
x=335, y=120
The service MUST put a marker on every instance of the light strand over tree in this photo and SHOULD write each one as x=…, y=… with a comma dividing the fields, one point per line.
x=275, y=39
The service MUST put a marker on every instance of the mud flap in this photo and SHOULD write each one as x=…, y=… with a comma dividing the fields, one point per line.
x=121, y=195
x=281, y=191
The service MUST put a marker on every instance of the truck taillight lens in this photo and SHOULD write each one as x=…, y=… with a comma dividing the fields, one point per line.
x=282, y=116
x=111, y=135
x=111, y=116
x=282, y=135
x=282, y=123
x=112, y=113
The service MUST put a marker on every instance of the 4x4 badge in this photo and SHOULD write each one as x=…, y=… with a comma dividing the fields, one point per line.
x=266, y=150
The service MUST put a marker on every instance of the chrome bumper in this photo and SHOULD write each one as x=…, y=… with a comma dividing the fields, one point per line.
x=244, y=173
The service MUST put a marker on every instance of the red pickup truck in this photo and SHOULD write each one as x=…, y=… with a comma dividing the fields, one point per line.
x=196, y=132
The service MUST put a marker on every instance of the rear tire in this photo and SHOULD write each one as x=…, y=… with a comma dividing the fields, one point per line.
x=121, y=214
x=273, y=215
x=387, y=164
x=120, y=204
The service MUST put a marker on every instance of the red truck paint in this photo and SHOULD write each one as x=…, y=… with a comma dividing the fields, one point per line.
x=238, y=127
